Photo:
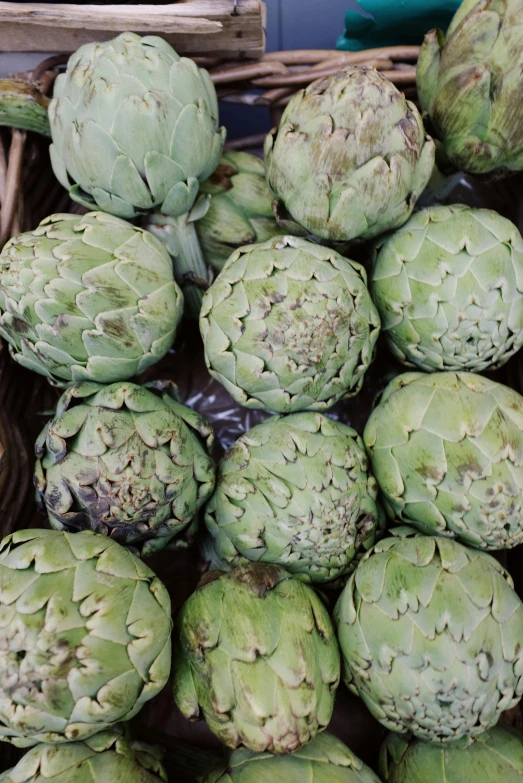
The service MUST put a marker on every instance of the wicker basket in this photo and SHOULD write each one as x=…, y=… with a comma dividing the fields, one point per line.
x=29, y=191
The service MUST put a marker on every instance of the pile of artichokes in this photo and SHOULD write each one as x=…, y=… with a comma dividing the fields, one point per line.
x=326, y=554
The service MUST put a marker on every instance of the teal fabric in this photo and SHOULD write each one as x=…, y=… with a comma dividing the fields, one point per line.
x=394, y=22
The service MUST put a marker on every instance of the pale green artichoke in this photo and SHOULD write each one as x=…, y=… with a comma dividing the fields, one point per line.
x=431, y=635
x=324, y=760
x=449, y=289
x=295, y=491
x=350, y=157
x=104, y=758
x=134, y=127
x=127, y=461
x=471, y=88
x=85, y=632
x=494, y=755
x=256, y=656
x=87, y=298
x=289, y=325
x=240, y=208
x=447, y=452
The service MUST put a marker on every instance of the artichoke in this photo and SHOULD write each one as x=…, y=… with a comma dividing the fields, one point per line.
x=471, y=88
x=350, y=157
x=447, y=452
x=134, y=128
x=87, y=298
x=85, y=632
x=324, y=760
x=255, y=653
x=295, y=491
x=289, y=325
x=126, y=461
x=431, y=635
x=104, y=758
x=240, y=208
x=495, y=755
x=449, y=289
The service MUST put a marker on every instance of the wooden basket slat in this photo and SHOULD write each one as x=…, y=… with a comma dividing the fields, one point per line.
x=234, y=28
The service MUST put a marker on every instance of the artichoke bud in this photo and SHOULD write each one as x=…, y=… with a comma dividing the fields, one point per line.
x=289, y=325
x=431, y=635
x=294, y=491
x=127, y=461
x=350, y=157
x=236, y=635
x=86, y=638
x=325, y=758
x=107, y=756
x=470, y=87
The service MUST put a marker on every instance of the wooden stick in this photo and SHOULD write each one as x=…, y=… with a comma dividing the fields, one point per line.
x=311, y=74
x=3, y=170
x=12, y=184
x=242, y=73
x=306, y=56
x=271, y=96
x=247, y=141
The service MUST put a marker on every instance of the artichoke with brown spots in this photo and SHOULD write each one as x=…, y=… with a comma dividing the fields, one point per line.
x=431, y=636
x=256, y=656
x=85, y=636
x=295, y=491
x=87, y=298
x=289, y=325
x=447, y=452
x=127, y=461
x=350, y=157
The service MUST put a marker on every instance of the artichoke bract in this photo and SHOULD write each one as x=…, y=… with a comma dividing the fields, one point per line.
x=447, y=452
x=289, y=325
x=87, y=298
x=350, y=157
x=471, y=88
x=134, y=127
x=324, y=759
x=124, y=460
x=256, y=655
x=106, y=757
x=496, y=754
x=240, y=209
x=449, y=289
x=295, y=491
x=85, y=633
x=431, y=635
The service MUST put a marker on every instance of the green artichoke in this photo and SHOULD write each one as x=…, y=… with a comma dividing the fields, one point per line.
x=431, y=635
x=126, y=461
x=447, y=452
x=449, y=289
x=295, y=491
x=471, y=88
x=135, y=128
x=324, y=760
x=240, y=208
x=495, y=755
x=85, y=632
x=105, y=758
x=289, y=325
x=255, y=653
x=350, y=158
x=87, y=298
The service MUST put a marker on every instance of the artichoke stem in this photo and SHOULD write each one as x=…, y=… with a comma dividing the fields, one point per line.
x=190, y=270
